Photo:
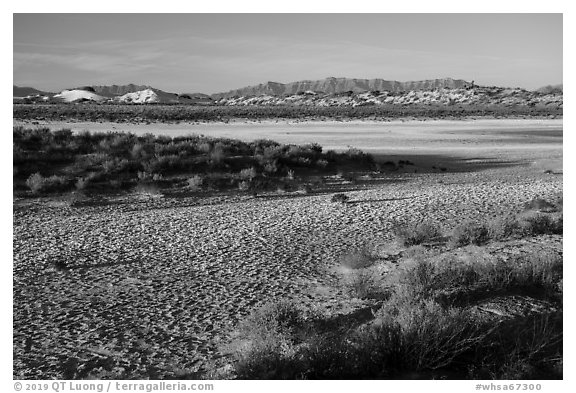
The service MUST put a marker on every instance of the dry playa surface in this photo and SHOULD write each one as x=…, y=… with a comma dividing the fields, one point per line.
x=155, y=286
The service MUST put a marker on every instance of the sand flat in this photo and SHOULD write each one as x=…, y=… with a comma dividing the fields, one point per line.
x=376, y=137
x=182, y=273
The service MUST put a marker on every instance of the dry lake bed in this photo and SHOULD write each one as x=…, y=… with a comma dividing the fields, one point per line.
x=158, y=285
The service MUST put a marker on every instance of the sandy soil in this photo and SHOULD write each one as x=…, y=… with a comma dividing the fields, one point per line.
x=180, y=277
x=161, y=283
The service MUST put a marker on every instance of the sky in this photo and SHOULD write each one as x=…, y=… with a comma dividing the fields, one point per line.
x=211, y=53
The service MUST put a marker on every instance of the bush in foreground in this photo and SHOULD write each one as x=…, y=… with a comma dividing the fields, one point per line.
x=456, y=279
x=421, y=339
x=423, y=329
x=533, y=224
x=414, y=233
x=470, y=232
x=39, y=184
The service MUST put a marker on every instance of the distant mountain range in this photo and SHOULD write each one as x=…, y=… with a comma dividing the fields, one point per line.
x=340, y=85
x=28, y=91
x=132, y=93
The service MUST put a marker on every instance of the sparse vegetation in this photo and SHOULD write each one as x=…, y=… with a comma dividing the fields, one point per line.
x=427, y=320
x=470, y=232
x=526, y=224
x=195, y=182
x=46, y=161
x=414, y=233
x=39, y=184
x=177, y=113
x=340, y=198
x=425, y=329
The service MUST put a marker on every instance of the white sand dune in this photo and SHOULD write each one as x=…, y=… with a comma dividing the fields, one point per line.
x=140, y=97
x=77, y=95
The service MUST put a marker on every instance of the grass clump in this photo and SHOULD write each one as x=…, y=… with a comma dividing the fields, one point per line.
x=195, y=182
x=415, y=233
x=424, y=336
x=456, y=279
x=502, y=228
x=470, y=232
x=542, y=205
x=532, y=224
x=268, y=339
x=39, y=184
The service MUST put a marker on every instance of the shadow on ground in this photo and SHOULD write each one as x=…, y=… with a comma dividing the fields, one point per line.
x=438, y=163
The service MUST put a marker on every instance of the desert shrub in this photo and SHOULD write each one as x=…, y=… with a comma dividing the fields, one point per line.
x=532, y=223
x=127, y=157
x=523, y=348
x=268, y=339
x=427, y=336
x=272, y=320
x=138, y=151
x=204, y=147
x=143, y=175
x=417, y=337
x=417, y=251
x=502, y=228
x=163, y=164
x=416, y=279
x=341, y=198
x=248, y=173
x=271, y=167
x=82, y=183
x=261, y=145
x=415, y=333
x=388, y=166
x=39, y=184
x=540, y=204
x=538, y=270
x=414, y=233
x=195, y=182
x=322, y=163
x=457, y=278
x=217, y=155
x=115, y=165
x=470, y=232
x=358, y=156
x=244, y=185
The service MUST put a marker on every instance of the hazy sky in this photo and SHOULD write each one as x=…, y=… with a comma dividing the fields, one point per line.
x=212, y=53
